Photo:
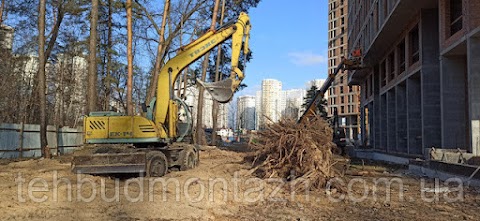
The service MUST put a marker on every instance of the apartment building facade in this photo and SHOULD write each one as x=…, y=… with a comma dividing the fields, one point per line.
x=342, y=98
x=420, y=85
x=271, y=102
x=246, y=112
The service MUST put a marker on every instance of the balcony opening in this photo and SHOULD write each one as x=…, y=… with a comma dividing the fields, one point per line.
x=383, y=74
x=401, y=57
x=414, y=46
x=456, y=16
x=391, y=62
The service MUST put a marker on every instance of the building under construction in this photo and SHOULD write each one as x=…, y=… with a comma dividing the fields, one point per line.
x=342, y=98
x=420, y=88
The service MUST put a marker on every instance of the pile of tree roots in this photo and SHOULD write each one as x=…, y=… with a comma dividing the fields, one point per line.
x=300, y=153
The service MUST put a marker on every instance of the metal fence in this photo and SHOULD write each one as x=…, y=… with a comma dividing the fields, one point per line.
x=23, y=140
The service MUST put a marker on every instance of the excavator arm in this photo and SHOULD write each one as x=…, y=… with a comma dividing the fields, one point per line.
x=221, y=91
x=354, y=62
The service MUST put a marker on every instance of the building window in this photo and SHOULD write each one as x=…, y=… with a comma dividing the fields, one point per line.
x=401, y=57
x=391, y=62
x=343, y=20
x=383, y=74
x=350, y=89
x=342, y=110
x=342, y=99
x=341, y=11
x=341, y=89
x=414, y=45
x=456, y=16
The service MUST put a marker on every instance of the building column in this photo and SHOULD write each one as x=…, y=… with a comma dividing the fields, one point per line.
x=402, y=123
x=392, y=118
x=384, y=122
x=454, y=102
x=430, y=82
x=376, y=107
x=473, y=58
x=414, y=114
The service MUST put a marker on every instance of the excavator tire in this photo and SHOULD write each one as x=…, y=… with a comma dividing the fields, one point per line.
x=157, y=164
x=189, y=159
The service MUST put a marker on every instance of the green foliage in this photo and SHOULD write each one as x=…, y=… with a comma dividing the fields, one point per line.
x=321, y=107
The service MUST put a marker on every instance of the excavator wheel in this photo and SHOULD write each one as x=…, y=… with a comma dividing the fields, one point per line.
x=189, y=159
x=157, y=164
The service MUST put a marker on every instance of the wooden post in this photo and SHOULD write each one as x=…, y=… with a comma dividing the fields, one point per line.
x=20, y=149
x=58, y=143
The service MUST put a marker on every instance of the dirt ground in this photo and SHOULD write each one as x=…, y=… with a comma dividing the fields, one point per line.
x=222, y=188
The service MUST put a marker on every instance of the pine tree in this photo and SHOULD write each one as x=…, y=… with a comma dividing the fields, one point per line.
x=321, y=109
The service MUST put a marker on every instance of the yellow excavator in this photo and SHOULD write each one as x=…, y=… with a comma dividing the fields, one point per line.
x=152, y=145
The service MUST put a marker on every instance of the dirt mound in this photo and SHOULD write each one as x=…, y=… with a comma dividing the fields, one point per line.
x=300, y=152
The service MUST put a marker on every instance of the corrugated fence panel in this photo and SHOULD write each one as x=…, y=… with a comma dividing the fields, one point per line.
x=67, y=139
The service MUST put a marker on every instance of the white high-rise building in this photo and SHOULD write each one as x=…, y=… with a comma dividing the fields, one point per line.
x=191, y=99
x=317, y=82
x=70, y=69
x=293, y=103
x=271, y=101
x=246, y=112
x=258, y=109
x=6, y=37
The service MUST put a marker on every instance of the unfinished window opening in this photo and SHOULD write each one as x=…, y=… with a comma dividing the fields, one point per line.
x=456, y=16
x=383, y=74
x=391, y=61
x=401, y=57
x=414, y=45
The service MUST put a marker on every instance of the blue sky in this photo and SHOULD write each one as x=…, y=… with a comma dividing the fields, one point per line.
x=289, y=43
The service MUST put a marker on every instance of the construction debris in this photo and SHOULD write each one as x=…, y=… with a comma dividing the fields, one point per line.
x=300, y=153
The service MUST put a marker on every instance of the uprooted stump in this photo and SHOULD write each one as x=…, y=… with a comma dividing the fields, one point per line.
x=297, y=152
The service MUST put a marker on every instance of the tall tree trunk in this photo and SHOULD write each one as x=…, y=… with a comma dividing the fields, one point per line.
x=108, y=82
x=200, y=138
x=161, y=48
x=42, y=79
x=2, y=8
x=216, y=105
x=129, y=59
x=92, y=59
